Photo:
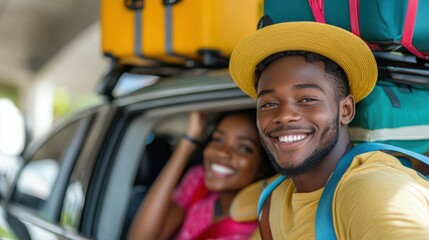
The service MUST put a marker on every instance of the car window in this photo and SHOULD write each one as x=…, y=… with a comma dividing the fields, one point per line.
x=120, y=166
x=73, y=204
x=144, y=147
x=42, y=172
x=120, y=180
x=142, y=152
x=77, y=194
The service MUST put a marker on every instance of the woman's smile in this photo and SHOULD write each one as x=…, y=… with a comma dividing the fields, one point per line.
x=219, y=170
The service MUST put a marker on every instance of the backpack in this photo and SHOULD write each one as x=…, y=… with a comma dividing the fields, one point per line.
x=324, y=220
x=393, y=114
x=388, y=25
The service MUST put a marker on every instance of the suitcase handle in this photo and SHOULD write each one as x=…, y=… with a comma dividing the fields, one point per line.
x=170, y=2
x=134, y=4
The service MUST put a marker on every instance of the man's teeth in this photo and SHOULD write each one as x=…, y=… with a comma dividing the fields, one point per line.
x=291, y=138
x=221, y=169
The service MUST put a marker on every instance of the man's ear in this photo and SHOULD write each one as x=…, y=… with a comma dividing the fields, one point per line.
x=347, y=110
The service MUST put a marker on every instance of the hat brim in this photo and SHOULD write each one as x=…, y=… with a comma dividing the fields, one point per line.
x=343, y=47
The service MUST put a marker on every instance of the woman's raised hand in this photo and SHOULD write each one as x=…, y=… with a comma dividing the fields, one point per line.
x=197, y=124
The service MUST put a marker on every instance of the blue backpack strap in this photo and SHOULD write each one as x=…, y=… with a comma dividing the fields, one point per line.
x=324, y=219
x=267, y=191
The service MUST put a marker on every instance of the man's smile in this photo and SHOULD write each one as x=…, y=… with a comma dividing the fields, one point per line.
x=291, y=138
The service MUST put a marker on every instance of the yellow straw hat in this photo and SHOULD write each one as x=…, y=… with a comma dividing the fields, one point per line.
x=347, y=50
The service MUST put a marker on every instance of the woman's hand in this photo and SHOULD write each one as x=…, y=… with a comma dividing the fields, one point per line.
x=197, y=124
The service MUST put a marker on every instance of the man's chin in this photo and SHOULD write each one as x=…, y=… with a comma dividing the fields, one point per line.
x=283, y=169
x=293, y=170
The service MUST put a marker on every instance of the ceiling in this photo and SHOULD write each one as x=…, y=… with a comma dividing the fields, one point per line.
x=32, y=32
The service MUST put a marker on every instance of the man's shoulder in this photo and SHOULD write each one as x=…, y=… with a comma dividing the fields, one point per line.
x=373, y=165
x=377, y=173
x=375, y=158
x=378, y=193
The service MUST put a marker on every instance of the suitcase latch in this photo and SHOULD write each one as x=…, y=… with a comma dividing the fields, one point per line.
x=134, y=4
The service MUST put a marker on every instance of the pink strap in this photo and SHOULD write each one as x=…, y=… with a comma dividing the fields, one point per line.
x=318, y=9
x=407, y=35
x=354, y=22
x=354, y=16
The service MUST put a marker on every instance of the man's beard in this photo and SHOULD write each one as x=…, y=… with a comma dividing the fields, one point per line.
x=331, y=136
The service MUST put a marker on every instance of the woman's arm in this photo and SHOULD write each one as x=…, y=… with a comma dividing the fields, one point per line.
x=159, y=217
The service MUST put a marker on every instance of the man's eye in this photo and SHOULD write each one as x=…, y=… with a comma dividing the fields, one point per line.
x=268, y=105
x=307, y=100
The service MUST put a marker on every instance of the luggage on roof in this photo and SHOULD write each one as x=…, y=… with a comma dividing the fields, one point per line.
x=177, y=31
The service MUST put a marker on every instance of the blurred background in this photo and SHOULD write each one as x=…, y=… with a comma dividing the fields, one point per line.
x=50, y=58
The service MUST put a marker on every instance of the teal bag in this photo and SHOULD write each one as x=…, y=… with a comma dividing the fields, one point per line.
x=393, y=114
x=384, y=24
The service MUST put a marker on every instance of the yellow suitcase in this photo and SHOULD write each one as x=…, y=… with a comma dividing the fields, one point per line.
x=176, y=31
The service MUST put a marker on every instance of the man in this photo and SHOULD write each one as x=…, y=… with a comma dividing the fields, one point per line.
x=306, y=78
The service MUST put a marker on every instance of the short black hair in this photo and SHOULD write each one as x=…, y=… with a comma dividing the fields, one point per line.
x=333, y=70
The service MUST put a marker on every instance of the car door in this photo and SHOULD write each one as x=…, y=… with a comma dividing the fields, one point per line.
x=36, y=201
x=145, y=133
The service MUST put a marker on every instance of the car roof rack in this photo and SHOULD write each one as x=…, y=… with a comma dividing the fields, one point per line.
x=403, y=69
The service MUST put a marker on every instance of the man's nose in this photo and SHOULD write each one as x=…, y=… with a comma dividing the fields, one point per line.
x=286, y=113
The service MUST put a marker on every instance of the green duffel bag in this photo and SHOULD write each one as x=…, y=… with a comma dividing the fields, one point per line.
x=393, y=114
x=384, y=24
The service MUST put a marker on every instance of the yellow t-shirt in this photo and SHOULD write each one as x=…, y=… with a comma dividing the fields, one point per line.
x=377, y=198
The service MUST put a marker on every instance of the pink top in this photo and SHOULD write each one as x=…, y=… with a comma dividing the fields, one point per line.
x=199, y=203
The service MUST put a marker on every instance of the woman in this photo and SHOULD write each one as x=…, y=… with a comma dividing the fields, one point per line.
x=233, y=158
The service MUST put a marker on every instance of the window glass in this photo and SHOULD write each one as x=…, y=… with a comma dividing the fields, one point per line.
x=37, y=180
x=73, y=204
x=35, y=185
x=78, y=184
x=129, y=82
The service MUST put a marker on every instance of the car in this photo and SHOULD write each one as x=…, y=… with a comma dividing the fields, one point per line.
x=88, y=176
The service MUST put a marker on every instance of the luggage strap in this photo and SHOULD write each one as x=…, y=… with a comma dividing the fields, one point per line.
x=137, y=6
x=318, y=10
x=168, y=5
x=267, y=191
x=354, y=22
x=408, y=30
x=407, y=35
x=324, y=220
